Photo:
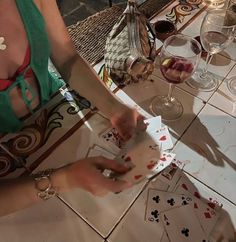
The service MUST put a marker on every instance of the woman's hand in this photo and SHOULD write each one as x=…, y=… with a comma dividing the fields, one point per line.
x=127, y=121
x=87, y=174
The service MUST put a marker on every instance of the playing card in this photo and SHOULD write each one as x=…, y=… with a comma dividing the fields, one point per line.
x=185, y=186
x=153, y=124
x=160, y=201
x=170, y=175
x=111, y=137
x=162, y=136
x=144, y=155
x=206, y=215
x=182, y=225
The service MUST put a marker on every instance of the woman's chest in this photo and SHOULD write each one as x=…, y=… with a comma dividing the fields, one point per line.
x=12, y=31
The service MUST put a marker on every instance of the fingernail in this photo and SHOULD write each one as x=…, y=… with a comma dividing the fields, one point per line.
x=118, y=192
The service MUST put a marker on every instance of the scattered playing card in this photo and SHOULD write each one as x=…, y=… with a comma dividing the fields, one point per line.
x=207, y=216
x=185, y=186
x=160, y=201
x=170, y=175
x=182, y=225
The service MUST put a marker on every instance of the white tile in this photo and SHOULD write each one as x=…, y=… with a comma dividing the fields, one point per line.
x=133, y=227
x=193, y=29
x=209, y=145
x=50, y=221
x=102, y=213
x=223, y=98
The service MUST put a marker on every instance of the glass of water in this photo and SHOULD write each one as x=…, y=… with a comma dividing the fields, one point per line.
x=218, y=30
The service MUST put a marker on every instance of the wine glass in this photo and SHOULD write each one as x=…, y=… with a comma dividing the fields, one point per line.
x=218, y=30
x=179, y=58
x=215, y=3
x=231, y=84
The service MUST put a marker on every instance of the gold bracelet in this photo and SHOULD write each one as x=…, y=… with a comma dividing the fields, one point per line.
x=44, y=186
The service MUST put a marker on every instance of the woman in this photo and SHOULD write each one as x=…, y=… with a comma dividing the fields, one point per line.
x=31, y=31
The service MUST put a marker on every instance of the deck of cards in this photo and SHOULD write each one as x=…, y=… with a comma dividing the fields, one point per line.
x=146, y=153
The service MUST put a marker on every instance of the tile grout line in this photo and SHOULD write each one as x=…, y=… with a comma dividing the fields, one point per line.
x=211, y=188
x=129, y=207
x=77, y=213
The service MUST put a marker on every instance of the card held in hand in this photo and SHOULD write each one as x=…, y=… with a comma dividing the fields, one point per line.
x=144, y=154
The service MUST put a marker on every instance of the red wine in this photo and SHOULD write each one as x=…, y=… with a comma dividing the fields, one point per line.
x=176, y=70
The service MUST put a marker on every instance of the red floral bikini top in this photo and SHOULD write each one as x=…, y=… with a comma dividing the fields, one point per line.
x=4, y=84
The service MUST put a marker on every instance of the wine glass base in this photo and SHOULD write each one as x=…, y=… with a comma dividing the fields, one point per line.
x=231, y=84
x=209, y=83
x=168, y=110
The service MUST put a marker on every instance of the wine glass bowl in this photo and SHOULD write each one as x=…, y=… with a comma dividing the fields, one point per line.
x=179, y=58
x=218, y=30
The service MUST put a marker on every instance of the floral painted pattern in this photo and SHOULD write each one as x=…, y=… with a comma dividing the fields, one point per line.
x=184, y=8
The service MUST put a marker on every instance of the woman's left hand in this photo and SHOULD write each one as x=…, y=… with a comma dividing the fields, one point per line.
x=127, y=121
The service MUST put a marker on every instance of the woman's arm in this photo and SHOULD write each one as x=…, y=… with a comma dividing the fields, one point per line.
x=20, y=193
x=83, y=78
x=73, y=67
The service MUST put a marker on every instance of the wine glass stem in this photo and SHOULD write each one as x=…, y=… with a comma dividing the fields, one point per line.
x=203, y=75
x=169, y=97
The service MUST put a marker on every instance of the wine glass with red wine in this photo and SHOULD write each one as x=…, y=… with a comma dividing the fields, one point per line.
x=218, y=30
x=179, y=58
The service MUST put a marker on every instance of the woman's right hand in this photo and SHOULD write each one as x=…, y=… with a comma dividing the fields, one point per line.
x=87, y=174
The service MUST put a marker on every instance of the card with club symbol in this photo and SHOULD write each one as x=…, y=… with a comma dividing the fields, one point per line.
x=182, y=225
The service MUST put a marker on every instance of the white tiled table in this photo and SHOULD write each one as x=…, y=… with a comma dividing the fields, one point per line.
x=204, y=137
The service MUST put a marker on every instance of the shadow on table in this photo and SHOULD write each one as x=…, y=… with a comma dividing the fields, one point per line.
x=198, y=137
x=206, y=145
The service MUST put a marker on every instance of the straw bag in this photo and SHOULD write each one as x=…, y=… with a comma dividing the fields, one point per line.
x=130, y=48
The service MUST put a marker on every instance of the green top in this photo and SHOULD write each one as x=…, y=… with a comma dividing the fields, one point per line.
x=40, y=52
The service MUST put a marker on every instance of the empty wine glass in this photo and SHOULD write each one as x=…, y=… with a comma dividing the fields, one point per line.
x=231, y=84
x=218, y=30
x=179, y=58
